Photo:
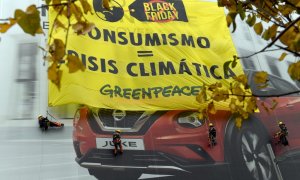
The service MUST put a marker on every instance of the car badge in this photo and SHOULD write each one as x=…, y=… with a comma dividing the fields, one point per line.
x=118, y=115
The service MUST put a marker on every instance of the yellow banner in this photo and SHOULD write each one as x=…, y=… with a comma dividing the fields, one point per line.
x=147, y=55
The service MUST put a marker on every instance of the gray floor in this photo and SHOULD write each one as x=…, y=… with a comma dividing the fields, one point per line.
x=27, y=153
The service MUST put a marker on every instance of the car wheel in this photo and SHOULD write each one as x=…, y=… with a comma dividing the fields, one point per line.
x=247, y=152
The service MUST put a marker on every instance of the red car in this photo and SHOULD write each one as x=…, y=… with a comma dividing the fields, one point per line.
x=174, y=144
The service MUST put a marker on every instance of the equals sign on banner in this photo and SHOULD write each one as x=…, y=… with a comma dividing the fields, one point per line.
x=144, y=53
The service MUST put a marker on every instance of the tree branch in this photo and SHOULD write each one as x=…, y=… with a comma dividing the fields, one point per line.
x=51, y=32
x=55, y=5
x=264, y=16
x=282, y=33
x=291, y=4
x=256, y=95
x=273, y=41
x=69, y=23
x=288, y=50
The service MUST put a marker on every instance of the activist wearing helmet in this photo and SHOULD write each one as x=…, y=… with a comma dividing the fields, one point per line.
x=118, y=130
x=40, y=117
x=210, y=124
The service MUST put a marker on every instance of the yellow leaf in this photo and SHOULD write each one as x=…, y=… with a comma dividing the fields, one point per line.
x=242, y=79
x=237, y=90
x=261, y=77
x=232, y=105
x=48, y=2
x=58, y=24
x=238, y=122
x=294, y=70
x=258, y=28
x=251, y=20
x=74, y=64
x=273, y=31
x=57, y=8
x=211, y=108
x=283, y=55
x=83, y=27
x=212, y=87
x=285, y=10
x=202, y=96
x=47, y=58
x=5, y=26
x=200, y=116
x=245, y=115
x=57, y=82
x=230, y=18
x=29, y=21
x=57, y=50
x=262, y=86
x=203, y=113
x=54, y=74
x=220, y=95
x=289, y=36
x=251, y=105
x=266, y=35
x=77, y=27
x=106, y=4
x=88, y=28
x=40, y=31
x=76, y=11
x=86, y=6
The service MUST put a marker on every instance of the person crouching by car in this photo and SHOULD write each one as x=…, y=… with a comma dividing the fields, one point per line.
x=117, y=142
x=43, y=122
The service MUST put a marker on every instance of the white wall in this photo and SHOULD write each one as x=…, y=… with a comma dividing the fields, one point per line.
x=9, y=62
x=12, y=99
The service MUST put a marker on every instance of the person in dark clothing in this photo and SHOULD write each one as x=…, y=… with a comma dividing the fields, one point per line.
x=283, y=128
x=282, y=134
x=212, y=134
x=117, y=142
x=43, y=122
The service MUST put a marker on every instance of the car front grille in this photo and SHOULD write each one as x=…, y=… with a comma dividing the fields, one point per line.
x=119, y=119
x=105, y=121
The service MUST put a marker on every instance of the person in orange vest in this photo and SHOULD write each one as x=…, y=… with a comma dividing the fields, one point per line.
x=117, y=142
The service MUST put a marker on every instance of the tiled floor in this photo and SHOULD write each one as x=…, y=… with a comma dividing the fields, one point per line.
x=27, y=153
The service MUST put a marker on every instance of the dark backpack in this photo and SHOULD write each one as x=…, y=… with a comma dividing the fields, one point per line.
x=116, y=138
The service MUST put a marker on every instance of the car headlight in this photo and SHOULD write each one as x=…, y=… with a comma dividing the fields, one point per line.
x=190, y=119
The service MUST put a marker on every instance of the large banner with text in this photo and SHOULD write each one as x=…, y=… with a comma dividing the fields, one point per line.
x=147, y=55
